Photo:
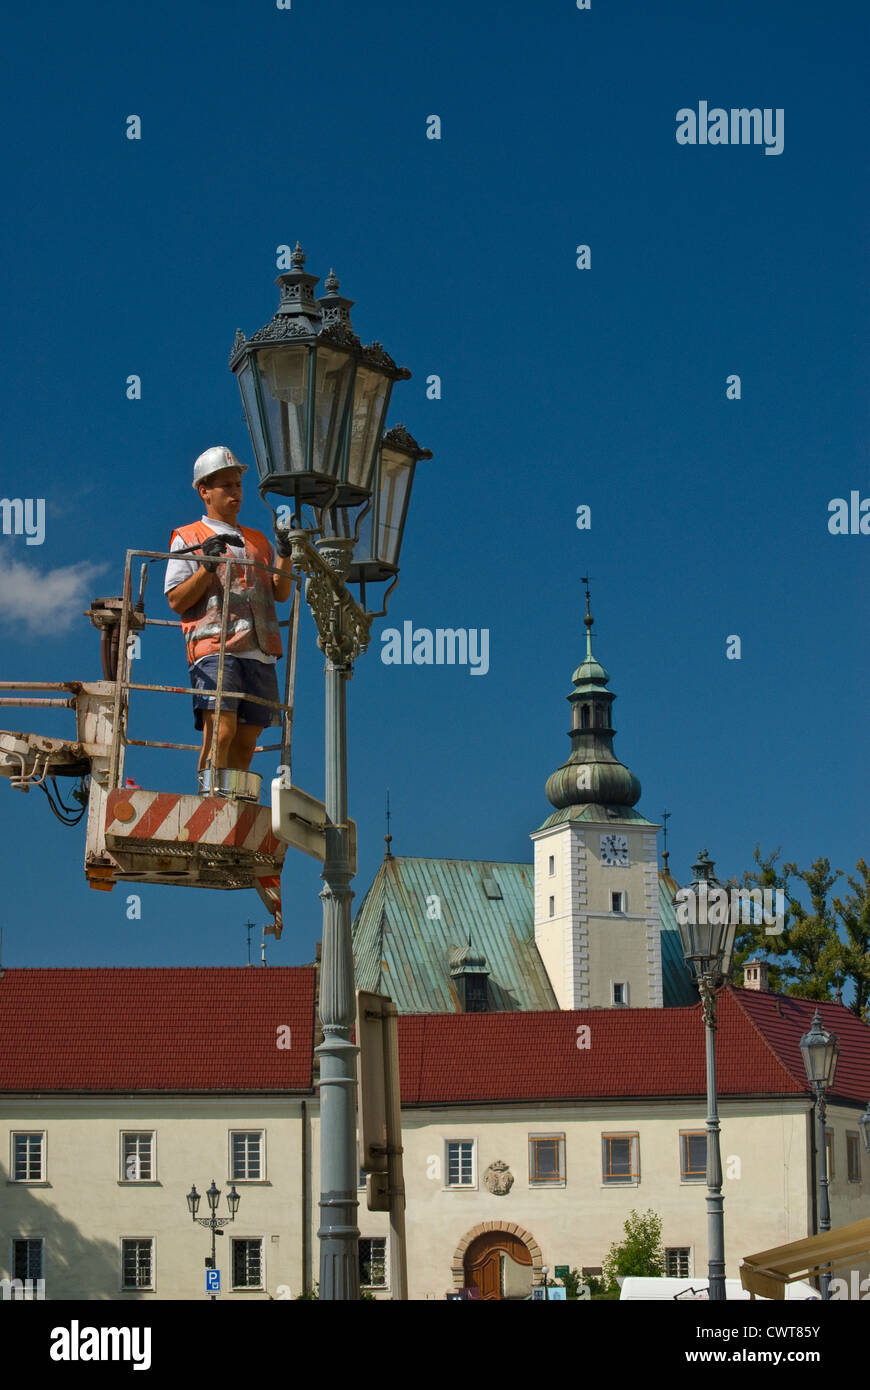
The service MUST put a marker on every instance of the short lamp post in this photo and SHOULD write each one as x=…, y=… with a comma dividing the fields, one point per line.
x=707, y=938
x=316, y=402
x=820, y=1052
x=213, y=1223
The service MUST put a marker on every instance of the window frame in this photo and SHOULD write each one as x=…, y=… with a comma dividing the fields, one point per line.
x=622, y=1003
x=623, y=903
x=41, y=1134
x=634, y=1158
x=233, y=1177
x=853, y=1145
x=551, y=866
x=691, y=1179
x=829, y=1150
x=548, y=1136
x=449, y=1186
x=138, y=1288
x=551, y=905
x=137, y=1182
x=247, y=1240
x=28, y=1240
x=675, y=1250
x=380, y=1288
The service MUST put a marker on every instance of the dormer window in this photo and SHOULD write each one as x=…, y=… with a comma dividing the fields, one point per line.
x=476, y=994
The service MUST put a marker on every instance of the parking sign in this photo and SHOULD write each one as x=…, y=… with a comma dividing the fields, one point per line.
x=212, y=1281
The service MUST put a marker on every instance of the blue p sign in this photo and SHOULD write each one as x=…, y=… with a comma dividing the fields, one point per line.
x=212, y=1281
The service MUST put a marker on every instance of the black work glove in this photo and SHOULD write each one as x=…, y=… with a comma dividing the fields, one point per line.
x=215, y=545
x=282, y=542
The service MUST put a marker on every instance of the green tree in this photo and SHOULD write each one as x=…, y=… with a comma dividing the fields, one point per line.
x=854, y=914
x=640, y=1253
x=807, y=957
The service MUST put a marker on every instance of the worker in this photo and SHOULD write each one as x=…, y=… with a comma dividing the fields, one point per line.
x=194, y=587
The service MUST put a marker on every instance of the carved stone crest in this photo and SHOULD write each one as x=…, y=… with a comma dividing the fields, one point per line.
x=498, y=1179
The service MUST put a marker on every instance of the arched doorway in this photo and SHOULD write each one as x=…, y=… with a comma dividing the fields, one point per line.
x=499, y=1264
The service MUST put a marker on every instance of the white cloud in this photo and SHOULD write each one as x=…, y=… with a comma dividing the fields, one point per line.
x=45, y=601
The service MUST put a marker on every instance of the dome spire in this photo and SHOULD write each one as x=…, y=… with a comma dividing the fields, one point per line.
x=592, y=775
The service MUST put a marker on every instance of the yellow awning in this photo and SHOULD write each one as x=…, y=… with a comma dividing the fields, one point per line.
x=767, y=1273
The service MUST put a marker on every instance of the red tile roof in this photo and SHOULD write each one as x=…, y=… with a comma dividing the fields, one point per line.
x=156, y=1030
x=633, y=1052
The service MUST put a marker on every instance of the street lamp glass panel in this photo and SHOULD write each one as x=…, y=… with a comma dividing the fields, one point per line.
x=193, y=1201
x=252, y=414
x=820, y=1052
x=727, y=946
x=333, y=371
x=213, y=1196
x=284, y=382
x=233, y=1199
x=396, y=474
x=371, y=393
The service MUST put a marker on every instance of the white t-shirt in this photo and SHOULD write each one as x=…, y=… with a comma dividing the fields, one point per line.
x=186, y=565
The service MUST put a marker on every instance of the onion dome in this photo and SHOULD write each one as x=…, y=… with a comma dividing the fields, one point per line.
x=593, y=775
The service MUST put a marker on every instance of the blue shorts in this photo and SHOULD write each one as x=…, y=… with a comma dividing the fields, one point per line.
x=253, y=677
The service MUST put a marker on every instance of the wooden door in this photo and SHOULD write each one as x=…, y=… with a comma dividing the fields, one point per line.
x=483, y=1261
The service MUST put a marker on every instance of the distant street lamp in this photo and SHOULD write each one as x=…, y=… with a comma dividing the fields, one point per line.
x=316, y=402
x=213, y=1223
x=707, y=938
x=820, y=1052
x=864, y=1126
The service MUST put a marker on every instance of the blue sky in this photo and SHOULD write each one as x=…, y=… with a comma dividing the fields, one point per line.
x=560, y=387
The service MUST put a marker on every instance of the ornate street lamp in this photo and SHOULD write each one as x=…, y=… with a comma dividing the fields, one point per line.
x=315, y=399
x=316, y=402
x=820, y=1052
x=707, y=937
x=213, y=1223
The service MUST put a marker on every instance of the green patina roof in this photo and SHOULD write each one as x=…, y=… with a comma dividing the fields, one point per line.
x=678, y=985
x=400, y=950
x=599, y=814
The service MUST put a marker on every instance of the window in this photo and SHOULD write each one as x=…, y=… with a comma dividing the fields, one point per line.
x=137, y=1263
x=246, y=1155
x=27, y=1259
x=373, y=1262
x=620, y=992
x=552, y=907
x=476, y=998
x=460, y=1163
x=620, y=1158
x=247, y=1264
x=28, y=1157
x=829, y=1151
x=853, y=1157
x=677, y=1262
x=693, y=1155
x=584, y=717
x=547, y=1158
x=551, y=865
x=137, y=1156
x=616, y=902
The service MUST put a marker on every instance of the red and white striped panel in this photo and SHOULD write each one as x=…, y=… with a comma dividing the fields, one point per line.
x=269, y=888
x=177, y=818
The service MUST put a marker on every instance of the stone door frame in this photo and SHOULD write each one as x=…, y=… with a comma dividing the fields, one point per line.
x=457, y=1269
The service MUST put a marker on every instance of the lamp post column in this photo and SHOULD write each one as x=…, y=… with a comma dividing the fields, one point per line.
x=824, y=1204
x=338, y=1233
x=715, y=1201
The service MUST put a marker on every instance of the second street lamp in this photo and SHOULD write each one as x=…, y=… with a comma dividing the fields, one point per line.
x=213, y=1223
x=820, y=1052
x=707, y=938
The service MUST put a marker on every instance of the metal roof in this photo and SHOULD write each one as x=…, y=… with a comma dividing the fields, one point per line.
x=678, y=986
x=418, y=912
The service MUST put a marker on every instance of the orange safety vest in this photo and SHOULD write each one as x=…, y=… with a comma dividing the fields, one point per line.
x=252, y=604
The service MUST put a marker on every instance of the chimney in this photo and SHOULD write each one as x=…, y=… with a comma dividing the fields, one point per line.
x=755, y=975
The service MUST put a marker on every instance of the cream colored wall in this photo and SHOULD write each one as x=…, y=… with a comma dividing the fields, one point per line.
x=765, y=1205
x=83, y=1210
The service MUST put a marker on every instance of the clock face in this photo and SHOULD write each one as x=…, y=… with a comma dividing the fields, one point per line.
x=614, y=849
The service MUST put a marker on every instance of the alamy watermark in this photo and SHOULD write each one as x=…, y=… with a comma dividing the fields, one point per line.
x=446, y=646
x=22, y=1289
x=742, y=125
x=24, y=516
x=749, y=907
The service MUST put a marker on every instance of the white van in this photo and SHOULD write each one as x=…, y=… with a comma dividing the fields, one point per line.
x=634, y=1288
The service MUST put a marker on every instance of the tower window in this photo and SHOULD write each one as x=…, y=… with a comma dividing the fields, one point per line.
x=552, y=907
x=620, y=992
x=584, y=717
x=552, y=865
x=617, y=902
x=476, y=1001
x=600, y=717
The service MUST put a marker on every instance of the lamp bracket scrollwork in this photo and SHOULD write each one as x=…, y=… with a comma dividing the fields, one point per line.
x=343, y=629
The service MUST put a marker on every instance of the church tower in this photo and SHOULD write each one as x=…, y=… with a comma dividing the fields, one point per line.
x=597, y=924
